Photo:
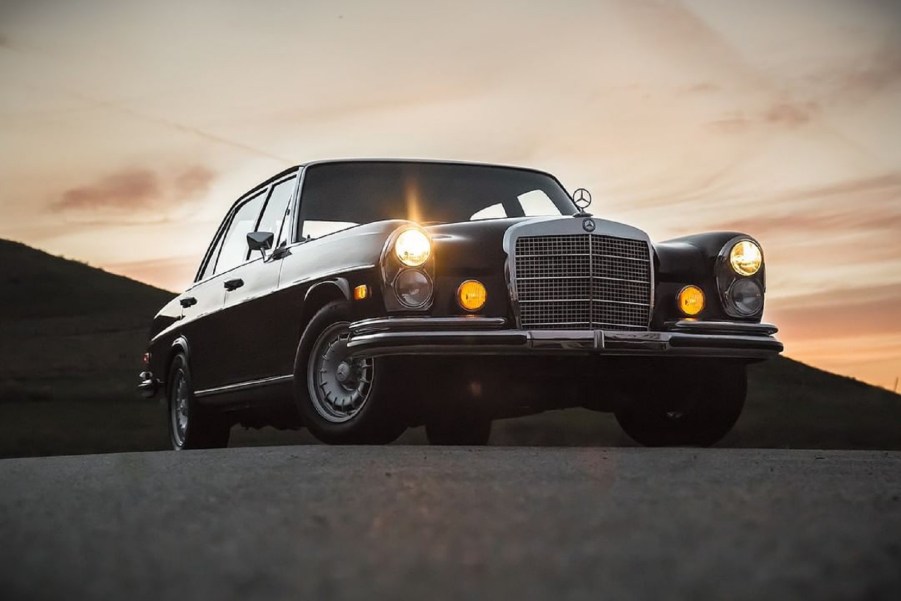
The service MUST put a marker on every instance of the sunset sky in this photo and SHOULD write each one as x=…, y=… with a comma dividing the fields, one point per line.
x=128, y=128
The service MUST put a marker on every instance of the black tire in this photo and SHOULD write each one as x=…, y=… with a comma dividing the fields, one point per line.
x=376, y=420
x=460, y=430
x=698, y=409
x=191, y=426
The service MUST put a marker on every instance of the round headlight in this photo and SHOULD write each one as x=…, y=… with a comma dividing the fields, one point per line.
x=691, y=300
x=413, y=288
x=412, y=248
x=746, y=297
x=746, y=258
x=471, y=295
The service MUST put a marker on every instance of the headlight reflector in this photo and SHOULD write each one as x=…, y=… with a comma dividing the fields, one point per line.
x=412, y=247
x=746, y=296
x=746, y=258
x=413, y=288
x=691, y=300
x=471, y=295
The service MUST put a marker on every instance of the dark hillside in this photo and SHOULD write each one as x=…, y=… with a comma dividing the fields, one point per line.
x=71, y=338
x=34, y=284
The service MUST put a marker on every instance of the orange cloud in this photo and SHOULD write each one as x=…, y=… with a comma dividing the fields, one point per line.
x=135, y=188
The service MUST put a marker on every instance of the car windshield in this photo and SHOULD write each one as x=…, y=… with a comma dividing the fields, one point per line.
x=340, y=195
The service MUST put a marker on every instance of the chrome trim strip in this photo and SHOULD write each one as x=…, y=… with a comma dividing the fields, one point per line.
x=243, y=386
x=721, y=327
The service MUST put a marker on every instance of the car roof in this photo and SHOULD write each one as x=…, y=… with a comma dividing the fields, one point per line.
x=420, y=161
x=299, y=167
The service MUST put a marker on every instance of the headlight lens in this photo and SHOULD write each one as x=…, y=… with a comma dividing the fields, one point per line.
x=746, y=258
x=472, y=295
x=413, y=287
x=412, y=248
x=691, y=300
x=746, y=297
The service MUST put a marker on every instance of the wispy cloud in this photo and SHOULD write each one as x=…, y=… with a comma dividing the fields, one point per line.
x=135, y=189
x=783, y=113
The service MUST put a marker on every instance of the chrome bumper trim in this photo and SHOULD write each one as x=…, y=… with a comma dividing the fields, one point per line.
x=487, y=336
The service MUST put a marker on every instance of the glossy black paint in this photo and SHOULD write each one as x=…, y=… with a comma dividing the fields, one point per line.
x=240, y=328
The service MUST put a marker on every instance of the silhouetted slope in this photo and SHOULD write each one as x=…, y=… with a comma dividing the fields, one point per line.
x=68, y=330
x=34, y=284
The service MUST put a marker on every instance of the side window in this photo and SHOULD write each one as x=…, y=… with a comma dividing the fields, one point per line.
x=274, y=213
x=211, y=261
x=234, y=247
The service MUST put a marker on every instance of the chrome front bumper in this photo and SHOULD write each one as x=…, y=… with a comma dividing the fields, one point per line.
x=491, y=336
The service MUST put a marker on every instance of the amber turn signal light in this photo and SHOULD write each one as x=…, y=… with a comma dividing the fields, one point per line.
x=471, y=295
x=361, y=292
x=691, y=300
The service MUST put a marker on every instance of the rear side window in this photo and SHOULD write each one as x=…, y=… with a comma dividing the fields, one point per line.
x=234, y=249
x=274, y=213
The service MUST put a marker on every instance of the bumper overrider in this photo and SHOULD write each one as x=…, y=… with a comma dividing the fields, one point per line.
x=492, y=336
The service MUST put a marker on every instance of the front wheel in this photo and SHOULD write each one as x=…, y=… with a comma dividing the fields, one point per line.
x=342, y=400
x=190, y=425
x=693, y=409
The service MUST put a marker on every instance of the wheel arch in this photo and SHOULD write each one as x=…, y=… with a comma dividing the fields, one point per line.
x=320, y=294
x=179, y=345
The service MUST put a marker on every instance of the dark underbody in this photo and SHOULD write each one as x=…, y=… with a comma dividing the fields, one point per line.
x=496, y=387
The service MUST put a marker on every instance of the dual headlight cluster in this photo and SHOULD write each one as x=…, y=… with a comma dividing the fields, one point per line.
x=411, y=280
x=739, y=281
x=743, y=293
x=412, y=285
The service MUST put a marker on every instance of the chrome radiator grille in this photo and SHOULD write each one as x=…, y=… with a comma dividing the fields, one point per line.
x=583, y=282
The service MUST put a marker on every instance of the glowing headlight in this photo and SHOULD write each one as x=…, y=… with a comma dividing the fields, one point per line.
x=745, y=258
x=413, y=248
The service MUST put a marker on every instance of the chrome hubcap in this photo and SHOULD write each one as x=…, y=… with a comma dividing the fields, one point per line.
x=339, y=386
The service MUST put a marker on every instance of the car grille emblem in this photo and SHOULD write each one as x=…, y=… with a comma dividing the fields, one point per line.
x=588, y=225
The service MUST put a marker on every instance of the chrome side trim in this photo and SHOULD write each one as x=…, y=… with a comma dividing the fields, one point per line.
x=243, y=386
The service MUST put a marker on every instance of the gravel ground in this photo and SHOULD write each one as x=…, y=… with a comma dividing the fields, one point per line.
x=400, y=522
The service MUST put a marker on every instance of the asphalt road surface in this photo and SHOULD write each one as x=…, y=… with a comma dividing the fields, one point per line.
x=421, y=523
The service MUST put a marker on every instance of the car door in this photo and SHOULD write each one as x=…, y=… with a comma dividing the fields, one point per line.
x=201, y=300
x=208, y=342
x=249, y=316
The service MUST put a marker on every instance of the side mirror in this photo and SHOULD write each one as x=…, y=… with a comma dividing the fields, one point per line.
x=261, y=241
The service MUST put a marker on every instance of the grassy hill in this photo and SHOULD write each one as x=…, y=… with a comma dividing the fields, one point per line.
x=71, y=338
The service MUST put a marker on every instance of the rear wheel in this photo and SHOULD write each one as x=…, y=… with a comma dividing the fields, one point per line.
x=459, y=430
x=686, y=410
x=190, y=425
x=342, y=400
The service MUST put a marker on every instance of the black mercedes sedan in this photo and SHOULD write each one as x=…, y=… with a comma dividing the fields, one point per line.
x=358, y=298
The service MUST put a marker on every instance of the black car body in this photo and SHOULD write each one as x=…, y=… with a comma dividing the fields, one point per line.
x=359, y=298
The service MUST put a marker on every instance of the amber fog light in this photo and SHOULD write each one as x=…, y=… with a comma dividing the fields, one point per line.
x=471, y=295
x=691, y=300
x=413, y=288
x=746, y=296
